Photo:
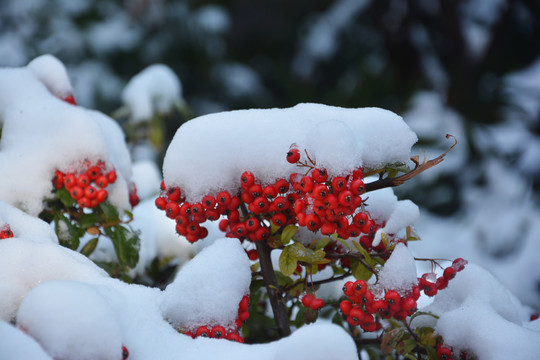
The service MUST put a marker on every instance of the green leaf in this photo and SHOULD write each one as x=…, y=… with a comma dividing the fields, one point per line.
x=343, y=242
x=88, y=220
x=283, y=280
x=432, y=353
x=300, y=315
x=65, y=197
x=126, y=245
x=322, y=243
x=412, y=235
x=68, y=235
x=418, y=313
x=406, y=346
x=110, y=212
x=288, y=232
x=287, y=261
x=367, y=258
x=89, y=247
x=359, y=271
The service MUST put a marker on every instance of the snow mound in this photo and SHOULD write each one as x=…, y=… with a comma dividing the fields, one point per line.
x=208, y=289
x=477, y=314
x=399, y=271
x=26, y=226
x=15, y=344
x=156, y=89
x=68, y=318
x=203, y=159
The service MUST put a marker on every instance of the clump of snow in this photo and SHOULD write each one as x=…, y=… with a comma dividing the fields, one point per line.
x=73, y=134
x=156, y=89
x=25, y=264
x=399, y=271
x=208, y=289
x=26, y=226
x=15, y=344
x=202, y=158
x=52, y=73
x=405, y=213
x=70, y=319
x=478, y=314
x=147, y=177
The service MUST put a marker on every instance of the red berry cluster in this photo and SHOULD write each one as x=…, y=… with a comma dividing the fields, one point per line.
x=362, y=307
x=87, y=185
x=312, y=302
x=444, y=352
x=5, y=232
x=430, y=285
x=220, y=332
x=315, y=200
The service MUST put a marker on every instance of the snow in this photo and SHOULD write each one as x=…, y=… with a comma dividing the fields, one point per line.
x=399, y=271
x=28, y=111
x=404, y=214
x=70, y=318
x=201, y=159
x=52, y=73
x=199, y=296
x=156, y=89
x=478, y=314
x=15, y=344
x=26, y=226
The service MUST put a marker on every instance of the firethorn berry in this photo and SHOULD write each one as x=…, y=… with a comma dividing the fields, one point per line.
x=211, y=214
x=69, y=181
x=125, y=353
x=328, y=228
x=441, y=283
x=244, y=304
x=443, y=352
x=76, y=192
x=83, y=202
x=306, y=184
x=320, y=191
x=93, y=172
x=316, y=304
x=162, y=186
x=339, y=183
x=102, y=195
x=58, y=180
x=408, y=304
x=223, y=198
x=281, y=186
x=429, y=288
x=357, y=187
x=393, y=299
x=359, y=287
x=313, y=222
x=197, y=209
x=218, y=332
x=281, y=203
x=247, y=179
x=83, y=180
x=346, y=307
x=172, y=210
x=293, y=155
x=102, y=182
x=262, y=233
x=261, y=203
x=307, y=300
x=223, y=225
x=181, y=220
x=5, y=232
x=355, y=317
x=111, y=176
x=255, y=190
x=202, y=331
x=193, y=228
x=319, y=175
x=279, y=219
x=90, y=192
x=252, y=224
x=269, y=191
x=449, y=273
x=345, y=198
x=174, y=194
x=354, y=231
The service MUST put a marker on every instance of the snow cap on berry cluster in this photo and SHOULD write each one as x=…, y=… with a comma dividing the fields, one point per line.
x=209, y=154
x=41, y=134
x=399, y=271
x=208, y=289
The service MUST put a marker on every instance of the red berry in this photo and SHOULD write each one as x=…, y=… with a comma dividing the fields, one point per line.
x=174, y=194
x=306, y=184
x=279, y=219
x=261, y=203
x=247, y=179
x=393, y=299
x=345, y=307
x=102, y=182
x=262, y=233
x=408, y=304
x=83, y=202
x=202, y=331
x=449, y=273
x=269, y=191
x=359, y=287
x=252, y=224
x=218, y=332
x=356, y=316
x=76, y=192
x=69, y=181
x=111, y=176
x=357, y=187
x=90, y=192
x=313, y=222
x=339, y=183
x=83, y=180
x=172, y=210
x=58, y=180
x=345, y=198
x=319, y=175
x=125, y=353
x=307, y=300
x=281, y=186
x=320, y=191
x=293, y=155
x=102, y=195
x=223, y=198
x=441, y=283
x=328, y=228
x=5, y=232
x=316, y=304
x=223, y=225
x=443, y=352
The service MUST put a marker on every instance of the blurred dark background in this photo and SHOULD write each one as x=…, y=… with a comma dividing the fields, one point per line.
x=466, y=67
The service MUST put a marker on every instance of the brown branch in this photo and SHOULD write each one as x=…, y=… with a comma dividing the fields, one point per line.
x=418, y=168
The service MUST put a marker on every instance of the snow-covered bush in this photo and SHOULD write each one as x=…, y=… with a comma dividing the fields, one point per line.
x=291, y=208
